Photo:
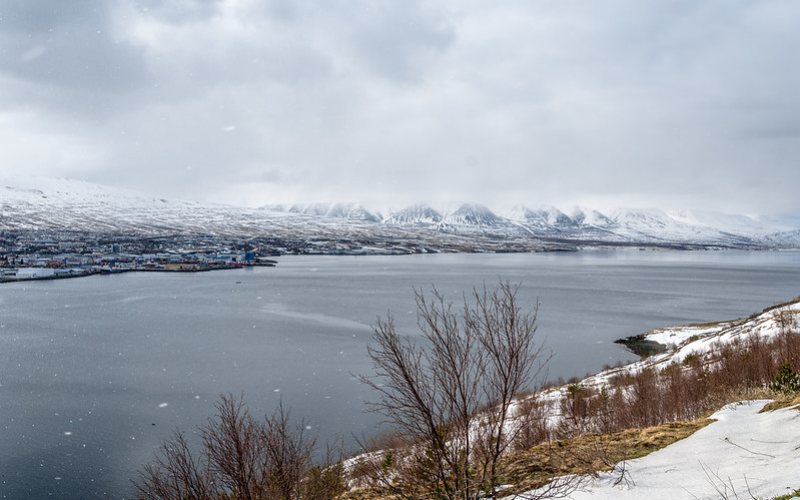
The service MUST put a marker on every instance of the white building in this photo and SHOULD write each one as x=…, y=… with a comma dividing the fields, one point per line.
x=29, y=273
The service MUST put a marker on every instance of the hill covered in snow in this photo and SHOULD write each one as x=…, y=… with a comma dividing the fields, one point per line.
x=743, y=453
x=670, y=426
x=58, y=204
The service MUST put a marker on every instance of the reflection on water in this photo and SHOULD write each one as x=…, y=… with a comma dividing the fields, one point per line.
x=87, y=365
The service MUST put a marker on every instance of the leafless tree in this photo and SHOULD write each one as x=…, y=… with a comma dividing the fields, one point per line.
x=239, y=458
x=174, y=474
x=288, y=455
x=234, y=447
x=453, y=393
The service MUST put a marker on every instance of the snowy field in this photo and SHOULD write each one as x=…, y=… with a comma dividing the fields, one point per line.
x=744, y=454
x=30, y=203
x=683, y=341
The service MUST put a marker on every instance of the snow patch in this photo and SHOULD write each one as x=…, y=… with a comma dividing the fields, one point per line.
x=743, y=453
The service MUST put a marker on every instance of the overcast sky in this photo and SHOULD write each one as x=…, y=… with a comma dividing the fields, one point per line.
x=671, y=104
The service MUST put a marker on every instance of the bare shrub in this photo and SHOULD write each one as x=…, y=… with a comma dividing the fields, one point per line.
x=233, y=447
x=575, y=405
x=681, y=392
x=531, y=419
x=325, y=482
x=174, y=474
x=788, y=320
x=452, y=394
x=239, y=458
x=748, y=368
x=288, y=450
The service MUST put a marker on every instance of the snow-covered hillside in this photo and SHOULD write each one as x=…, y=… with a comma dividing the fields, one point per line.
x=790, y=239
x=39, y=203
x=686, y=340
x=75, y=205
x=349, y=211
x=742, y=448
x=415, y=215
x=743, y=454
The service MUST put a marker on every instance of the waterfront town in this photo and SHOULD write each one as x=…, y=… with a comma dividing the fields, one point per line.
x=36, y=255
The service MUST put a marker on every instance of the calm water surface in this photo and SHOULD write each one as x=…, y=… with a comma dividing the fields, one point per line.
x=95, y=372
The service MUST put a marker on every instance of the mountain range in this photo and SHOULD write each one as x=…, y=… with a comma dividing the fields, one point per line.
x=69, y=205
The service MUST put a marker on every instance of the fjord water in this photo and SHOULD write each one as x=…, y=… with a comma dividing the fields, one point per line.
x=95, y=372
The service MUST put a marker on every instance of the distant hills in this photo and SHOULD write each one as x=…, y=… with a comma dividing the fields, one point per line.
x=68, y=205
x=578, y=224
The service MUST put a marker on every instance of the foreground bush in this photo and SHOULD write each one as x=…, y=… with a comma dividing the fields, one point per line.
x=461, y=428
x=240, y=458
x=451, y=394
x=753, y=367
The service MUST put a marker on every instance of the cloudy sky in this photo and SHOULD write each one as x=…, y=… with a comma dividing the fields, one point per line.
x=672, y=104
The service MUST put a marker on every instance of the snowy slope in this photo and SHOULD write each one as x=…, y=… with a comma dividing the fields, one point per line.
x=731, y=223
x=415, y=215
x=693, y=467
x=789, y=239
x=590, y=217
x=473, y=215
x=743, y=447
x=350, y=211
x=75, y=205
x=543, y=219
x=656, y=224
x=685, y=340
x=743, y=453
x=766, y=325
x=579, y=224
x=40, y=203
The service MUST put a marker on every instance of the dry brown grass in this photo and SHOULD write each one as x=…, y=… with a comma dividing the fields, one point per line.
x=637, y=413
x=580, y=455
x=701, y=384
x=780, y=403
x=591, y=453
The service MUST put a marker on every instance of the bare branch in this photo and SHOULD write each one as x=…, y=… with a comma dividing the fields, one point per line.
x=454, y=392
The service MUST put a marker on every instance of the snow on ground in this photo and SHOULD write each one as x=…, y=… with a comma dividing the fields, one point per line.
x=28, y=203
x=743, y=447
x=683, y=341
x=674, y=336
x=743, y=453
x=767, y=324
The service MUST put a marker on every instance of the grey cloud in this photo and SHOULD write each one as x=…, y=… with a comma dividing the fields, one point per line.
x=67, y=44
x=398, y=39
x=81, y=59
x=180, y=11
x=34, y=18
x=681, y=103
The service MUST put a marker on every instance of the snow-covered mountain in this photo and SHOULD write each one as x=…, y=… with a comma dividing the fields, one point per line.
x=471, y=216
x=590, y=217
x=350, y=211
x=730, y=223
x=418, y=215
x=580, y=224
x=59, y=204
x=788, y=239
x=544, y=218
x=656, y=224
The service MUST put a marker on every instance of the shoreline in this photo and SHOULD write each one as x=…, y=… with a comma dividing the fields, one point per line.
x=665, y=342
x=88, y=273
x=546, y=406
x=637, y=344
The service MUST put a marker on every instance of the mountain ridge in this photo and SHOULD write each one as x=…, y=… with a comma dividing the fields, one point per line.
x=59, y=204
